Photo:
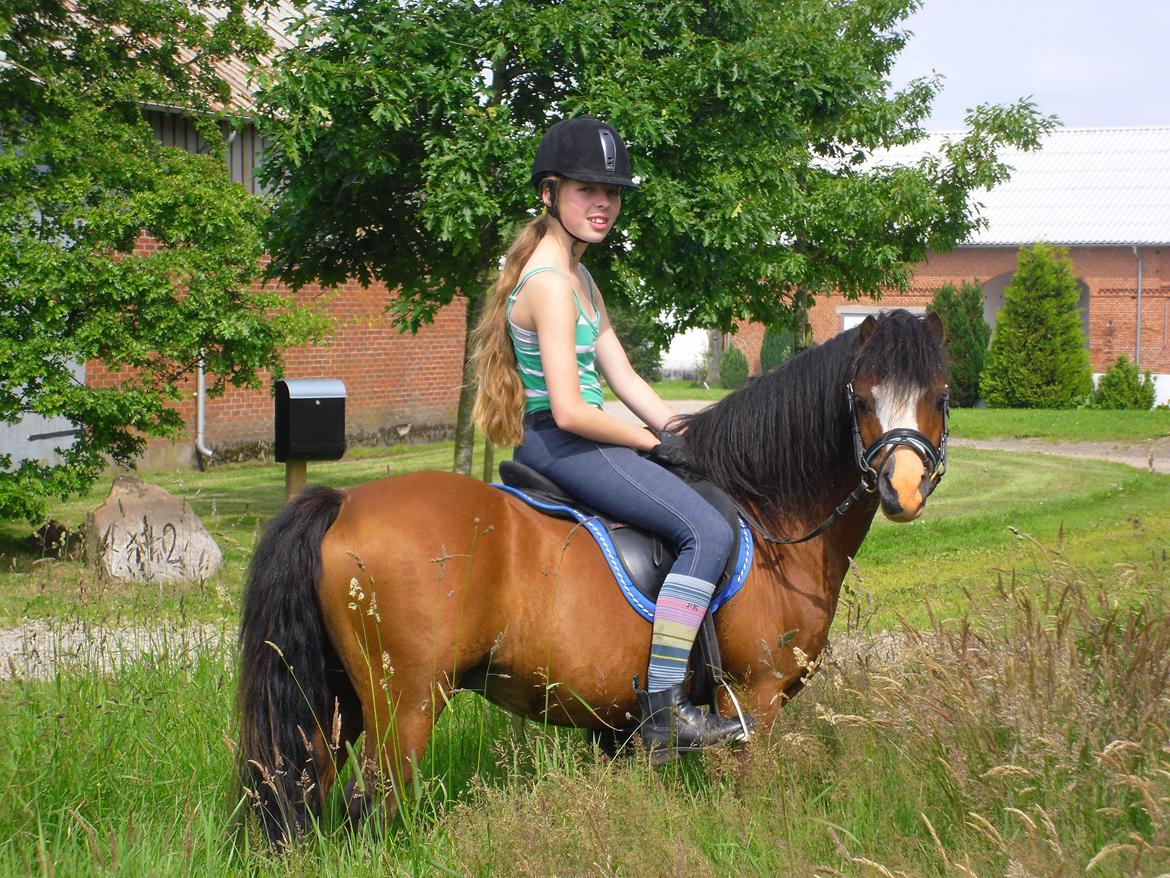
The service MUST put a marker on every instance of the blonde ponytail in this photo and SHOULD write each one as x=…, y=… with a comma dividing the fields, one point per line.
x=499, y=397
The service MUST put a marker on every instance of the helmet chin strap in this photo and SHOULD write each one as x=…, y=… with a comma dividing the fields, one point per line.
x=555, y=213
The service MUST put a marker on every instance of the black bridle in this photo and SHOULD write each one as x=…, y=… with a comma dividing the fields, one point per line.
x=933, y=459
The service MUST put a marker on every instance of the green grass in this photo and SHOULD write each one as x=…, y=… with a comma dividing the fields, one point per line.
x=234, y=501
x=1079, y=425
x=1075, y=425
x=1026, y=739
x=680, y=389
x=1097, y=512
x=995, y=511
x=1038, y=584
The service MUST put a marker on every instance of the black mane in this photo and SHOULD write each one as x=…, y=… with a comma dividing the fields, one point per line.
x=779, y=442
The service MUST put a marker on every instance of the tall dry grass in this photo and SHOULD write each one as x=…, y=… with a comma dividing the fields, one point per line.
x=1030, y=737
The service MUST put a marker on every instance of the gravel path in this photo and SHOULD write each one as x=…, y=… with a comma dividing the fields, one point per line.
x=38, y=648
x=1153, y=456
x=35, y=649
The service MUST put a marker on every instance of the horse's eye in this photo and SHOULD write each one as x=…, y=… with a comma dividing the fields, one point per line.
x=861, y=404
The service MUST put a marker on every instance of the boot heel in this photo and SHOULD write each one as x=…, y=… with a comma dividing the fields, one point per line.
x=671, y=725
x=663, y=755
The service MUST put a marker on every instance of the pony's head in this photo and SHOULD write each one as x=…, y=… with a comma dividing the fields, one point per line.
x=898, y=399
x=790, y=442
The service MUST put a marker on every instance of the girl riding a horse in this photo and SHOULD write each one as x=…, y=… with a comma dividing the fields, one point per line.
x=544, y=337
x=367, y=609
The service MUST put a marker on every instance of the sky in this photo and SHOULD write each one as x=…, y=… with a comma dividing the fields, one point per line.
x=1091, y=63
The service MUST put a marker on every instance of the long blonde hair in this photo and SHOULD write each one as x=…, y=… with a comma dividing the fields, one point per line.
x=499, y=398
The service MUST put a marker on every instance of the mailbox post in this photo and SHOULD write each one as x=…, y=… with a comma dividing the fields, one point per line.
x=310, y=425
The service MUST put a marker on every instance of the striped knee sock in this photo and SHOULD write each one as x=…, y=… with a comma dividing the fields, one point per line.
x=681, y=605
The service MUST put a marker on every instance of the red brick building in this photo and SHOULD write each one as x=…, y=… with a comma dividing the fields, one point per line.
x=391, y=379
x=1102, y=192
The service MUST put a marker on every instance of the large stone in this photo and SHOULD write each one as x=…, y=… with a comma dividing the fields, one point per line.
x=144, y=534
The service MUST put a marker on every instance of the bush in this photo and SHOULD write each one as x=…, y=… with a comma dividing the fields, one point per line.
x=1123, y=387
x=641, y=336
x=733, y=371
x=1038, y=357
x=967, y=333
x=777, y=347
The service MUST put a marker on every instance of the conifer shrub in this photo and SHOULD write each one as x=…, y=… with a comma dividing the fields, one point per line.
x=967, y=334
x=733, y=371
x=1124, y=387
x=641, y=337
x=1038, y=357
x=777, y=347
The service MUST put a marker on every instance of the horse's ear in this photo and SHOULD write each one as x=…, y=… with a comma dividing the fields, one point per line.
x=868, y=327
x=935, y=325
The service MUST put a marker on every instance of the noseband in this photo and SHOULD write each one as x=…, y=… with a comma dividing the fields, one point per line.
x=933, y=459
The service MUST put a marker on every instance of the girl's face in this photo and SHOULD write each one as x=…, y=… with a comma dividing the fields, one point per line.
x=588, y=210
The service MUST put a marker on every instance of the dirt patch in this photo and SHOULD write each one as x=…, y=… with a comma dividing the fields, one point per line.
x=1153, y=455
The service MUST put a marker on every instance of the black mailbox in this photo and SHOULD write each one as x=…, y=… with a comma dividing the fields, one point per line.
x=310, y=419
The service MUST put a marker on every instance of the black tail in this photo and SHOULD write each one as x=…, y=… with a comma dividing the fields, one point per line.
x=284, y=692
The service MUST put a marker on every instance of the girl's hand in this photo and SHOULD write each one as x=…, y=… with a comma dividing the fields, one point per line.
x=671, y=450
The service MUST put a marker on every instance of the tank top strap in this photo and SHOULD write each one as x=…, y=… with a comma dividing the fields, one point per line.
x=576, y=297
x=524, y=279
x=592, y=289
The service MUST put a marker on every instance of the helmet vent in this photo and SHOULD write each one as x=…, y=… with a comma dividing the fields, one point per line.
x=608, y=150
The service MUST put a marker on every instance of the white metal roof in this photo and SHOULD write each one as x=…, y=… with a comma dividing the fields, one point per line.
x=1084, y=186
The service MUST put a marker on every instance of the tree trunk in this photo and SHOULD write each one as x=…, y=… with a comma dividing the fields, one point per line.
x=801, y=327
x=489, y=460
x=715, y=348
x=464, y=428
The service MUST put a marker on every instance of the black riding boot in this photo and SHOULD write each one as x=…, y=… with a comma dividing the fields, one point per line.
x=671, y=725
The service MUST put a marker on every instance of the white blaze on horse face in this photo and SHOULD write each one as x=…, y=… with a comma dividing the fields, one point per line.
x=896, y=408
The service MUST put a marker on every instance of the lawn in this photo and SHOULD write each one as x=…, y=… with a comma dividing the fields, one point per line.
x=1073, y=425
x=1076, y=425
x=992, y=511
x=1026, y=739
x=1019, y=729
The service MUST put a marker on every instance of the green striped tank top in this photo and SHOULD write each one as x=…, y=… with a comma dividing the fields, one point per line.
x=527, y=348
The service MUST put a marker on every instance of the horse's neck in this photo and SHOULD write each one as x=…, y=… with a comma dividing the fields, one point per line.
x=839, y=543
x=848, y=533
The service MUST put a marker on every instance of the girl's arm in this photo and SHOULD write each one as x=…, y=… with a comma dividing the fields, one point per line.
x=553, y=308
x=630, y=387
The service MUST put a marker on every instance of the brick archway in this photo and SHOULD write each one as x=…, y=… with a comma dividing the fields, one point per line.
x=993, y=300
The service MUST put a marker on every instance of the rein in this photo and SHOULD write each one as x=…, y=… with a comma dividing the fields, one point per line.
x=935, y=460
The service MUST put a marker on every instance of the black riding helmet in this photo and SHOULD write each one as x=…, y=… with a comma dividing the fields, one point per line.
x=585, y=149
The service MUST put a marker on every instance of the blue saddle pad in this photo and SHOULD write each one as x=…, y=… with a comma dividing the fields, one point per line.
x=642, y=603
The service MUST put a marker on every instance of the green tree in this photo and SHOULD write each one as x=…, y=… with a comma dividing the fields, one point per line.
x=1124, y=386
x=733, y=371
x=642, y=337
x=402, y=135
x=777, y=347
x=1038, y=357
x=81, y=176
x=967, y=333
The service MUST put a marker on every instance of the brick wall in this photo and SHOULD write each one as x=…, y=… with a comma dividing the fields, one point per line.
x=1109, y=273
x=390, y=378
x=749, y=338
